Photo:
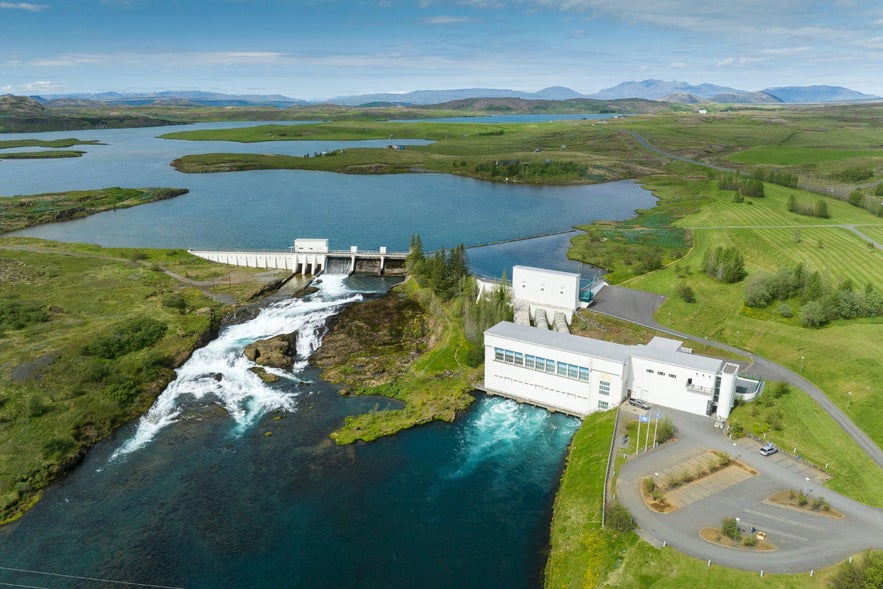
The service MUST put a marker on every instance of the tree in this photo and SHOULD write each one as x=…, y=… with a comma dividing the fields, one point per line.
x=724, y=264
x=730, y=528
x=812, y=314
x=820, y=209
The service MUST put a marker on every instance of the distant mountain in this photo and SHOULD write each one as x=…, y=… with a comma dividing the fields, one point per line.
x=19, y=106
x=684, y=93
x=740, y=97
x=658, y=89
x=424, y=97
x=805, y=94
x=176, y=98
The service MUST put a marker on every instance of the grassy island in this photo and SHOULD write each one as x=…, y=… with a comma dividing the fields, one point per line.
x=19, y=212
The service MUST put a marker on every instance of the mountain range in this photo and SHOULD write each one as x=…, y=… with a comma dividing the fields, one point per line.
x=678, y=92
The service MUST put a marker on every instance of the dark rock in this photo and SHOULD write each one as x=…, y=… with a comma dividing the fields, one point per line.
x=277, y=352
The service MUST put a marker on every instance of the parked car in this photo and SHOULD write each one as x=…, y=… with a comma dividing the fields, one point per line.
x=639, y=403
x=768, y=449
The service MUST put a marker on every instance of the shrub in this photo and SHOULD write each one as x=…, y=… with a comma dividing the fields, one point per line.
x=802, y=500
x=665, y=430
x=133, y=335
x=123, y=392
x=730, y=528
x=619, y=518
x=686, y=293
x=175, y=300
x=749, y=541
x=785, y=310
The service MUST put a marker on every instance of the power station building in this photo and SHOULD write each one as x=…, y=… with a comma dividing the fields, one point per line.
x=580, y=375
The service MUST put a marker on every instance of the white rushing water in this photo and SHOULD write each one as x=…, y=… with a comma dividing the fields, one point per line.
x=502, y=428
x=219, y=372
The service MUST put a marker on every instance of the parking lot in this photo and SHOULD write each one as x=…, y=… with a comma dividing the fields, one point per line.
x=804, y=540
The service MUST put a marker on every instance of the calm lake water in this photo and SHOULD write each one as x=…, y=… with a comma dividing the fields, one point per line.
x=197, y=495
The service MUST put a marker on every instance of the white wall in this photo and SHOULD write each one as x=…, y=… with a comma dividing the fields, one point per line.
x=672, y=391
x=578, y=397
x=547, y=289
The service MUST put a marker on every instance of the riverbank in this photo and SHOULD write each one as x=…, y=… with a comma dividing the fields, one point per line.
x=91, y=337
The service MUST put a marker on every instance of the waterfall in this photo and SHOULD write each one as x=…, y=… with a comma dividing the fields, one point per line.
x=337, y=266
x=218, y=374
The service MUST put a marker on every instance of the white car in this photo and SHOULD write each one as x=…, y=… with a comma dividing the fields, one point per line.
x=768, y=449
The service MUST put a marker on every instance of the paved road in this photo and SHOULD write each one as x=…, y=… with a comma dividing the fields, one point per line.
x=804, y=541
x=639, y=307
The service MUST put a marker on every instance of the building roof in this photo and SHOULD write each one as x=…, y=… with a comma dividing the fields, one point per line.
x=673, y=357
x=659, y=349
x=562, y=341
x=546, y=271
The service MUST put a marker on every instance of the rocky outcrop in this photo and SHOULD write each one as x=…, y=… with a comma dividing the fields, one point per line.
x=277, y=352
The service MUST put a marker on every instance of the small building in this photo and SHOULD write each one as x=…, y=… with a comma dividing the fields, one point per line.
x=580, y=375
x=550, y=290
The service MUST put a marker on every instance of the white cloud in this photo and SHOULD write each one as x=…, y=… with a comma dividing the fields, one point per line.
x=678, y=65
x=22, y=6
x=447, y=20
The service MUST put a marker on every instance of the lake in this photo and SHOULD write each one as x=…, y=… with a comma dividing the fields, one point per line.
x=196, y=494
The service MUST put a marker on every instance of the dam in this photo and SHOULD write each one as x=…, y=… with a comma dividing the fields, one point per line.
x=313, y=257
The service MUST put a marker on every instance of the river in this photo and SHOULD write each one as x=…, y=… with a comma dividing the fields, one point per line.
x=235, y=483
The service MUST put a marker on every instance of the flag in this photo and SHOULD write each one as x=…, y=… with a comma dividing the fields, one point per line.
x=645, y=418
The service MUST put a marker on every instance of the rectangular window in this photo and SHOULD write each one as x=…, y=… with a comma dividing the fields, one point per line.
x=672, y=375
x=604, y=387
x=519, y=359
x=583, y=373
x=650, y=370
x=510, y=357
x=498, y=354
x=530, y=361
x=550, y=366
x=572, y=371
x=602, y=405
x=562, y=369
x=660, y=373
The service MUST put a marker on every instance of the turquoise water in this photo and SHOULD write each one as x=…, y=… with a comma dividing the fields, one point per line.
x=196, y=495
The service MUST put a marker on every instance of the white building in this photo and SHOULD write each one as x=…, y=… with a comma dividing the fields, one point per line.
x=579, y=375
x=552, y=291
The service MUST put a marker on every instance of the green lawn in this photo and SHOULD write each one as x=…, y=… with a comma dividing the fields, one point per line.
x=796, y=155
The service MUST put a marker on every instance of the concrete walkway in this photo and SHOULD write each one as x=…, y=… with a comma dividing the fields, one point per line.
x=804, y=540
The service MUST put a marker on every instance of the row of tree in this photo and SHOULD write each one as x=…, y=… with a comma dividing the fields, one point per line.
x=446, y=273
x=818, y=209
x=820, y=302
x=742, y=184
x=776, y=177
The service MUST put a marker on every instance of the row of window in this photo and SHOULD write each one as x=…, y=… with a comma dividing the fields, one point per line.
x=661, y=373
x=542, y=364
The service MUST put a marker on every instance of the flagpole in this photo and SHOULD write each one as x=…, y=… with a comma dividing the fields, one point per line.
x=655, y=428
x=647, y=437
x=638, y=437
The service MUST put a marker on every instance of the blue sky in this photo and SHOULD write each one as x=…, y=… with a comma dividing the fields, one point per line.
x=315, y=49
